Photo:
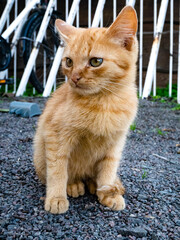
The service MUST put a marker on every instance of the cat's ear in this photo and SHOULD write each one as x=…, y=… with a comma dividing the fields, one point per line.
x=65, y=30
x=124, y=28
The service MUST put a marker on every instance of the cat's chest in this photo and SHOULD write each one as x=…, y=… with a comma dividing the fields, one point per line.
x=101, y=120
x=91, y=147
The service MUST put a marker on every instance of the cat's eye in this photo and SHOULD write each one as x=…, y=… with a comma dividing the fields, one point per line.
x=69, y=62
x=95, y=62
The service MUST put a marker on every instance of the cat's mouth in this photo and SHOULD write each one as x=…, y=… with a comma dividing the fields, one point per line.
x=81, y=88
x=77, y=85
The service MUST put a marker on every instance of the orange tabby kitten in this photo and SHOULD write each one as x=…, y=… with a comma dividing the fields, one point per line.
x=82, y=131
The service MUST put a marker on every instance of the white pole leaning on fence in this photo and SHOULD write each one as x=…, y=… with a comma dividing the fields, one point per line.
x=89, y=13
x=59, y=53
x=114, y=9
x=171, y=47
x=34, y=53
x=154, y=29
x=20, y=18
x=97, y=15
x=5, y=14
x=155, y=49
x=178, y=77
x=131, y=3
x=141, y=49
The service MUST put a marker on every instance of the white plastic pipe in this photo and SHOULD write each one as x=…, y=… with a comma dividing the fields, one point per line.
x=155, y=49
x=131, y=3
x=7, y=70
x=155, y=22
x=77, y=18
x=15, y=50
x=5, y=14
x=20, y=18
x=101, y=20
x=97, y=16
x=67, y=9
x=89, y=13
x=171, y=47
x=34, y=53
x=178, y=77
x=141, y=48
x=59, y=53
x=114, y=9
x=44, y=68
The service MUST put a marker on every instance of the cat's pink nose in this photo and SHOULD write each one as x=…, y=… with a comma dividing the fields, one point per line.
x=75, y=77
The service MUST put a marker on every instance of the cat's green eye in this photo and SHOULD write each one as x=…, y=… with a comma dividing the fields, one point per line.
x=95, y=62
x=69, y=62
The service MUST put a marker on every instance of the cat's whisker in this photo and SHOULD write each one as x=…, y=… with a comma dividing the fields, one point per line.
x=111, y=92
x=116, y=88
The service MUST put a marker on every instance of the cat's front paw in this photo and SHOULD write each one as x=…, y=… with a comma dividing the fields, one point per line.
x=76, y=189
x=110, y=198
x=115, y=203
x=56, y=205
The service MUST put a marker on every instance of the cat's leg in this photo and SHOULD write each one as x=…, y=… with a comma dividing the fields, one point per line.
x=111, y=195
x=39, y=157
x=109, y=187
x=57, y=155
x=75, y=189
x=91, y=184
x=56, y=182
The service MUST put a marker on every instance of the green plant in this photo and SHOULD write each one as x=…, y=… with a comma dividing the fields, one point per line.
x=164, y=92
x=157, y=97
x=162, y=100
x=144, y=175
x=159, y=131
x=176, y=108
x=133, y=127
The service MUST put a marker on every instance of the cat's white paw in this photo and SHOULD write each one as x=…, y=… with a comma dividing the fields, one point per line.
x=56, y=205
x=76, y=189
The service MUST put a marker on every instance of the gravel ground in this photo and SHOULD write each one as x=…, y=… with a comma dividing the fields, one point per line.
x=149, y=171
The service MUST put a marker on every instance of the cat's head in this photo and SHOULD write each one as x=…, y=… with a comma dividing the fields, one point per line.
x=96, y=59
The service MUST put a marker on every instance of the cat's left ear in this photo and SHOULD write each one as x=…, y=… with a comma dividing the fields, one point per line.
x=65, y=30
x=124, y=28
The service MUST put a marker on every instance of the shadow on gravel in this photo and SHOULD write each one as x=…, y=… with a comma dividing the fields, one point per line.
x=149, y=169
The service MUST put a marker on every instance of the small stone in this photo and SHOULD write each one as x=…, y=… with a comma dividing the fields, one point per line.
x=177, y=222
x=11, y=227
x=111, y=223
x=149, y=216
x=154, y=237
x=137, y=232
x=74, y=230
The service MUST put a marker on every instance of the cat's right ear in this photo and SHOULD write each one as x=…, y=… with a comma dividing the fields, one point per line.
x=65, y=30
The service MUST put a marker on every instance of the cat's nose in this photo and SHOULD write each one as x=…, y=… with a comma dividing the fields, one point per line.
x=75, y=77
